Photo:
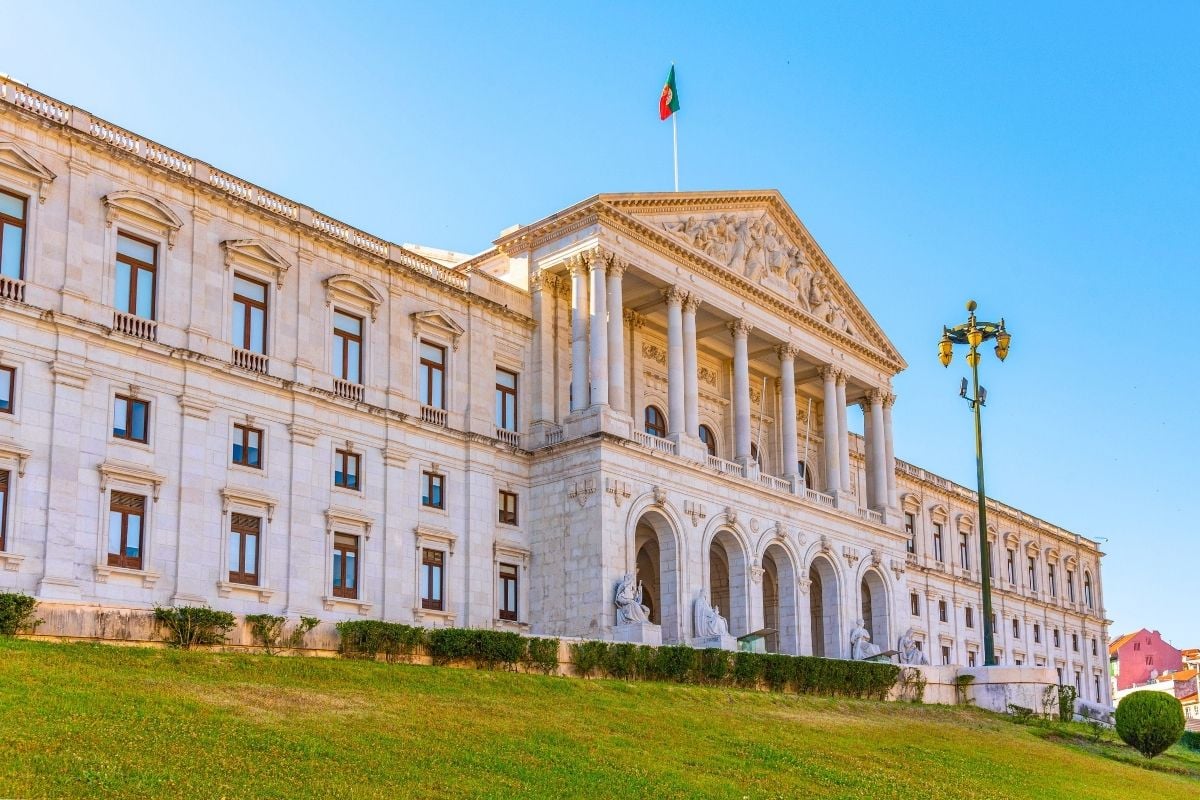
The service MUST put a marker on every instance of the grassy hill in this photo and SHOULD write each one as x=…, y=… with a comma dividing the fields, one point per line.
x=92, y=720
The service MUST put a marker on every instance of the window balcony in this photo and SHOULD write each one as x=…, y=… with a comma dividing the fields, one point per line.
x=820, y=498
x=250, y=361
x=12, y=289
x=655, y=443
x=871, y=515
x=772, y=482
x=509, y=437
x=434, y=415
x=135, y=326
x=725, y=467
x=348, y=390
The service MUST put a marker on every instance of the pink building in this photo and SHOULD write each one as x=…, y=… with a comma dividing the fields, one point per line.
x=1140, y=657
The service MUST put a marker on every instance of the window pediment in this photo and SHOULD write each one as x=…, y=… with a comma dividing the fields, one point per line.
x=911, y=503
x=348, y=288
x=342, y=517
x=437, y=322
x=938, y=514
x=427, y=534
x=143, y=209
x=17, y=160
x=966, y=523
x=257, y=254
x=511, y=551
x=12, y=452
x=1012, y=540
x=231, y=494
x=130, y=473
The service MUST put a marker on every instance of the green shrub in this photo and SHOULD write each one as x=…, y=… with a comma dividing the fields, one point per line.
x=1150, y=722
x=747, y=669
x=16, y=614
x=1066, y=702
x=674, y=662
x=711, y=666
x=493, y=648
x=367, y=638
x=621, y=661
x=588, y=657
x=646, y=660
x=267, y=630
x=541, y=655
x=1191, y=740
x=777, y=671
x=188, y=626
x=447, y=645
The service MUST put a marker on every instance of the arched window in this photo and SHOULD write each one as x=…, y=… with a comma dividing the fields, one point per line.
x=754, y=455
x=656, y=421
x=1087, y=590
x=709, y=438
x=802, y=471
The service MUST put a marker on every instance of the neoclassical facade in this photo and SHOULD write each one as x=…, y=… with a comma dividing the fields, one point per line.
x=212, y=394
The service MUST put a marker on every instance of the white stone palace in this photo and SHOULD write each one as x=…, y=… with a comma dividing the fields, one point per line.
x=210, y=394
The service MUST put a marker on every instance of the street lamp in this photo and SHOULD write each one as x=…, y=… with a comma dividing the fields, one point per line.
x=974, y=333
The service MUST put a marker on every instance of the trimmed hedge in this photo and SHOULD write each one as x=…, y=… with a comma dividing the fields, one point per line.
x=16, y=613
x=1190, y=740
x=188, y=626
x=367, y=638
x=1149, y=721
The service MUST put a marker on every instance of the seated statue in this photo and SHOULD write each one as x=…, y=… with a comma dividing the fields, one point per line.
x=628, y=601
x=709, y=621
x=861, y=647
x=910, y=650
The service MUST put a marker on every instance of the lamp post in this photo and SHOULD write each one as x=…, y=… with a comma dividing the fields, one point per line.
x=974, y=333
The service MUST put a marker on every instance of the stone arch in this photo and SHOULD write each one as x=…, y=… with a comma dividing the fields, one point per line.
x=875, y=606
x=656, y=557
x=781, y=601
x=727, y=569
x=824, y=605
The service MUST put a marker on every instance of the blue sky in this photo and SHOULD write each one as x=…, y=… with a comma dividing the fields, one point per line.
x=1041, y=160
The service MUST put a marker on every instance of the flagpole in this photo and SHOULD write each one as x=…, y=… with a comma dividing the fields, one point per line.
x=675, y=147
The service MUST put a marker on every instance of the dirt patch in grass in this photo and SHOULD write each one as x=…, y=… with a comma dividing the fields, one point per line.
x=252, y=700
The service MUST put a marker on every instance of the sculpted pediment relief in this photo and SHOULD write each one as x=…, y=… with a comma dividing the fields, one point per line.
x=753, y=245
x=18, y=161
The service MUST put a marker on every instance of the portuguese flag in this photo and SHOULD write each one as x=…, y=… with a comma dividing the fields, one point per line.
x=668, y=101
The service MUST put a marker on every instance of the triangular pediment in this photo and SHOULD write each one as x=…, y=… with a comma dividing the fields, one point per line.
x=439, y=322
x=18, y=161
x=256, y=253
x=756, y=237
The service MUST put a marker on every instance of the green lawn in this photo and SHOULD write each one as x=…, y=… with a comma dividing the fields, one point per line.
x=91, y=720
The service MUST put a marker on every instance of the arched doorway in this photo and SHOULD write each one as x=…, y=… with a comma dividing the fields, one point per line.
x=657, y=562
x=728, y=571
x=825, y=616
x=779, y=601
x=874, y=609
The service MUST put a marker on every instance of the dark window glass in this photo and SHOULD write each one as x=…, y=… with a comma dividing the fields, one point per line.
x=1087, y=590
x=249, y=314
x=1012, y=566
x=508, y=508
x=915, y=602
x=506, y=400
x=345, y=469
x=432, y=375
x=12, y=236
x=126, y=520
x=656, y=421
x=1032, y=573
x=1051, y=580
x=347, y=346
x=4, y=476
x=345, y=566
x=710, y=441
x=938, y=550
x=131, y=419
x=508, y=592
x=1037, y=633
x=910, y=527
x=432, y=571
x=432, y=487
x=245, y=533
x=8, y=382
x=970, y=614
x=137, y=268
x=942, y=611
x=1016, y=628
x=247, y=446
x=964, y=551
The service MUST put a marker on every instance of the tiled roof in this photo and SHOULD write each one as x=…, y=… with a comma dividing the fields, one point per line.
x=1119, y=642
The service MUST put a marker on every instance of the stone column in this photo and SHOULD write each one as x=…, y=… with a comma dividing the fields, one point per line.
x=541, y=288
x=787, y=388
x=871, y=491
x=843, y=431
x=579, y=370
x=67, y=513
x=598, y=313
x=198, y=551
x=889, y=457
x=877, y=452
x=833, y=459
x=616, y=335
x=691, y=369
x=675, y=367
x=740, y=329
x=636, y=322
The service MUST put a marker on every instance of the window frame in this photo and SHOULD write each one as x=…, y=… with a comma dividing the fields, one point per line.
x=428, y=477
x=6, y=485
x=342, y=457
x=910, y=527
x=503, y=394
x=943, y=611
x=710, y=444
x=128, y=436
x=23, y=224
x=502, y=498
x=964, y=550
x=119, y=559
x=426, y=370
x=342, y=339
x=914, y=601
x=245, y=429
x=939, y=542
x=11, y=400
x=509, y=584
x=247, y=314
x=969, y=616
x=343, y=592
x=243, y=577
x=430, y=566
x=653, y=428
x=134, y=266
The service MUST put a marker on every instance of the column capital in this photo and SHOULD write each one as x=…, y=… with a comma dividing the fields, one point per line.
x=617, y=267
x=542, y=280
x=841, y=377
x=889, y=400
x=577, y=265
x=875, y=396
x=829, y=372
x=673, y=295
x=787, y=351
x=634, y=319
x=740, y=328
x=691, y=303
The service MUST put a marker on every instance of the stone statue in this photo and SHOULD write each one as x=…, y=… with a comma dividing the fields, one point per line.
x=910, y=650
x=861, y=647
x=709, y=621
x=628, y=601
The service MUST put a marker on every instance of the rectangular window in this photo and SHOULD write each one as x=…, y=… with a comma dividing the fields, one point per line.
x=432, y=375
x=1037, y=633
x=249, y=314
x=1032, y=573
x=12, y=236
x=914, y=602
x=126, y=522
x=1071, y=585
x=942, y=611
x=1078, y=683
x=345, y=469
x=506, y=400
x=1018, y=662
x=8, y=382
x=1012, y=566
x=508, y=592
x=137, y=270
x=910, y=527
x=347, y=346
x=1096, y=679
x=945, y=654
x=938, y=551
x=131, y=419
x=1016, y=628
x=247, y=446
x=964, y=551
x=345, y=566
x=1057, y=638
x=991, y=559
x=1051, y=580
x=432, y=572
x=1093, y=646
x=1075, y=642
x=970, y=658
x=433, y=490
x=508, y=508
x=970, y=615
x=245, y=533
x=3, y=509
x=995, y=625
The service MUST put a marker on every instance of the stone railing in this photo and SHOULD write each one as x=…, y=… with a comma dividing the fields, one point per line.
x=655, y=443
x=725, y=467
x=508, y=437
x=130, y=143
x=820, y=498
x=348, y=390
x=250, y=361
x=554, y=435
x=12, y=289
x=871, y=516
x=772, y=482
x=434, y=415
x=135, y=326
